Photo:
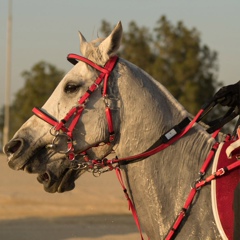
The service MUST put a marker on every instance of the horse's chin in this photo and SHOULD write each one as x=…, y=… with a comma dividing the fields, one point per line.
x=53, y=183
x=53, y=170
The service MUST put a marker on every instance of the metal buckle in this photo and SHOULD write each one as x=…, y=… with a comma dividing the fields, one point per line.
x=78, y=166
x=53, y=131
x=198, y=180
x=58, y=138
x=96, y=172
x=106, y=101
x=222, y=171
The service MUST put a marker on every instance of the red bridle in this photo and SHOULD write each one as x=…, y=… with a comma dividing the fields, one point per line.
x=73, y=116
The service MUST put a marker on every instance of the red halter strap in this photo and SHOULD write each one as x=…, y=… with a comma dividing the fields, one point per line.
x=76, y=112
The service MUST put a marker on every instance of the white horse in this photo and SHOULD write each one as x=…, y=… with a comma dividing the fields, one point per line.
x=142, y=110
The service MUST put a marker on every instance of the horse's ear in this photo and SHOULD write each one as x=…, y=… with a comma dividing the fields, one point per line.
x=111, y=44
x=83, y=44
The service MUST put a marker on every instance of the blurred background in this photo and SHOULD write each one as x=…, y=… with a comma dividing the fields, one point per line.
x=191, y=47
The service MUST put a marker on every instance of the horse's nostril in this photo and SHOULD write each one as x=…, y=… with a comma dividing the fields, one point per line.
x=13, y=146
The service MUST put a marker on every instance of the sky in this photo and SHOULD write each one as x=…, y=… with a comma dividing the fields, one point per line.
x=48, y=30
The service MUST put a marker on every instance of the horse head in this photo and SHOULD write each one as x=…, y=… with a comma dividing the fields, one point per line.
x=42, y=149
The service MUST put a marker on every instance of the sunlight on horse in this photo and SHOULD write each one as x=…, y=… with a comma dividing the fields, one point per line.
x=142, y=110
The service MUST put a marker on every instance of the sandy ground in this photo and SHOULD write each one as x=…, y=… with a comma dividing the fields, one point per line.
x=96, y=209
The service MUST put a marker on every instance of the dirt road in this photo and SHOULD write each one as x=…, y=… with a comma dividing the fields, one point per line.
x=96, y=209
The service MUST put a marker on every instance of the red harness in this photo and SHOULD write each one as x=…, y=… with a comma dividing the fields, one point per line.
x=99, y=166
x=75, y=113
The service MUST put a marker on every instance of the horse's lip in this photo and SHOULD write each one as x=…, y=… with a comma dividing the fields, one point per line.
x=61, y=184
x=20, y=163
x=43, y=178
x=17, y=165
x=55, y=178
x=67, y=182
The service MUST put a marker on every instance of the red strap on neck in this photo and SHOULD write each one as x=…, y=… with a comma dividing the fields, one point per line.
x=131, y=206
x=162, y=146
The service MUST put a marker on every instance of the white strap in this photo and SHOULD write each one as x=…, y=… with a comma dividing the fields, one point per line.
x=214, y=197
x=232, y=147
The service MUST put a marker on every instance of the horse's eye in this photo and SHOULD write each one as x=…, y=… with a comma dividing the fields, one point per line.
x=71, y=88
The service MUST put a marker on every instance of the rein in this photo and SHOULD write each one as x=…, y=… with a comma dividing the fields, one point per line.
x=64, y=129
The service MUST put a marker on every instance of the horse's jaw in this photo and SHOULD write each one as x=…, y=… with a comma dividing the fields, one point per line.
x=53, y=170
x=55, y=180
x=55, y=174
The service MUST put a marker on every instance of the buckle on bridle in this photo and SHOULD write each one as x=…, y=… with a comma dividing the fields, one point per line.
x=57, y=139
x=221, y=171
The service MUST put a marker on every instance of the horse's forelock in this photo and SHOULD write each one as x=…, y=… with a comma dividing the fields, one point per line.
x=93, y=53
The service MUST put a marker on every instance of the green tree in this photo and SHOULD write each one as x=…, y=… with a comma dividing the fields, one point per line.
x=40, y=82
x=137, y=46
x=186, y=67
x=174, y=56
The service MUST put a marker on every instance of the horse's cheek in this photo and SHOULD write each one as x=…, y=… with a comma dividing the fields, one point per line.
x=98, y=128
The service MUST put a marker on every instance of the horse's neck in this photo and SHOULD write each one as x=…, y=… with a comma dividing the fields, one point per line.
x=147, y=110
x=159, y=184
x=155, y=183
